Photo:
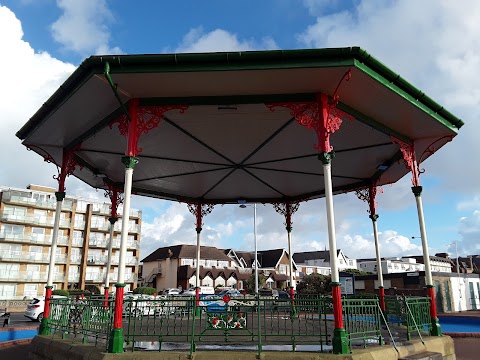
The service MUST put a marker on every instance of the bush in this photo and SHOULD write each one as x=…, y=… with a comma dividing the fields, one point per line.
x=314, y=284
x=60, y=292
x=74, y=292
x=145, y=290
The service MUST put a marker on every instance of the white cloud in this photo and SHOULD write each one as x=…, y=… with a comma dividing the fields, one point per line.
x=469, y=230
x=28, y=78
x=83, y=27
x=196, y=40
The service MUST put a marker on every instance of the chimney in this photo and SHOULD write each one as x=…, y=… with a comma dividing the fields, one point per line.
x=470, y=257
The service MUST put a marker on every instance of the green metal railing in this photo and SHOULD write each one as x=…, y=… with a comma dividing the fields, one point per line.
x=409, y=312
x=362, y=321
x=87, y=319
x=250, y=323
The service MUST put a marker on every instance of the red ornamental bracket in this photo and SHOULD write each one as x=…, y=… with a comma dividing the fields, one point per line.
x=368, y=194
x=320, y=115
x=116, y=198
x=287, y=209
x=69, y=163
x=140, y=120
x=409, y=159
x=199, y=211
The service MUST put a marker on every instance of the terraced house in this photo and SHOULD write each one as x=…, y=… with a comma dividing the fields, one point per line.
x=26, y=228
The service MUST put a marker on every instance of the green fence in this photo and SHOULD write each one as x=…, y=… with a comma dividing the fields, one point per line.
x=411, y=313
x=362, y=321
x=89, y=320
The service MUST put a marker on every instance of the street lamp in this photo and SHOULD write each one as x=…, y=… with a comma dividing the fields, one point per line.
x=458, y=275
x=243, y=206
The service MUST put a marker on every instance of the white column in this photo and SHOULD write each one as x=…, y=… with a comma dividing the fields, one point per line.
x=290, y=255
x=377, y=253
x=53, y=248
x=255, y=241
x=327, y=175
x=109, y=255
x=197, y=271
x=423, y=234
x=125, y=220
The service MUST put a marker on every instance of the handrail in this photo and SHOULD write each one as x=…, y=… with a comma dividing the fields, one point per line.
x=414, y=322
x=388, y=328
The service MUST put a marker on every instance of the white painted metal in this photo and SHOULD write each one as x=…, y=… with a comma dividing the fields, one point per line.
x=327, y=175
x=255, y=241
x=423, y=234
x=290, y=258
x=109, y=257
x=53, y=248
x=125, y=220
x=377, y=253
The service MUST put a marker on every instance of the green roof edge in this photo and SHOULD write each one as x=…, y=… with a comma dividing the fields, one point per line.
x=231, y=60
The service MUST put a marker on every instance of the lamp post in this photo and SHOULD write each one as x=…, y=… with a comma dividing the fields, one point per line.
x=243, y=206
x=458, y=275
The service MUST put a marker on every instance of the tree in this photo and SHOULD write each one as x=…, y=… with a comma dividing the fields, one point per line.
x=249, y=284
x=145, y=290
x=356, y=272
x=315, y=284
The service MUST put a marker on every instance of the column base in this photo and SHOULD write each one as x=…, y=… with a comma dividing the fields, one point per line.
x=45, y=328
x=115, y=343
x=436, y=329
x=340, y=342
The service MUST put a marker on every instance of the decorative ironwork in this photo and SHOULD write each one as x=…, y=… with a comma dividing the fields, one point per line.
x=287, y=209
x=409, y=159
x=146, y=118
x=199, y=211
x=368, y=194
x=68, y=164
x=116, y=197
x=430, y=150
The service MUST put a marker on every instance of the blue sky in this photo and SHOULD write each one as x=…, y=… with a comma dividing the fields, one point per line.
x=434, y=44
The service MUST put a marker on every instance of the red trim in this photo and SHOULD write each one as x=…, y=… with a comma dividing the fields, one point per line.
x=117, y=317
x=337, y=306
x=106, y=297
x=381, y=295
x=197, y=296
x=409, y=158
x=48, y=295
x=433, y=304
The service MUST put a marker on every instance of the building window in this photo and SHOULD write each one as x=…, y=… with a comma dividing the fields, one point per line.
x=13, y=230
x=309, y=270
x=7, y=291
x=282, y=269
x=30, y=290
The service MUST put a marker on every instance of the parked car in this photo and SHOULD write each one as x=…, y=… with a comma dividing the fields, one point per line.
x=204, y=290
x=230, y=292
x=171, y=291
x=35, y=308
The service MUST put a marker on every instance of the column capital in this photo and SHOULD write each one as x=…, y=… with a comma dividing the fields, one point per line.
x=60, y=195
x=417, y=190
x=120, y=285
x=113, y=220
x=129, y=161
x=326, y=157
x=374, y=217
x=199, y=230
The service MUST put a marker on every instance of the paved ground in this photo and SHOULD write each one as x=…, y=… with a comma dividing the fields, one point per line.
x=466, y=349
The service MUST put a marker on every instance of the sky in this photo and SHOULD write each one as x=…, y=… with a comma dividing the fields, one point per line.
x=434, y=44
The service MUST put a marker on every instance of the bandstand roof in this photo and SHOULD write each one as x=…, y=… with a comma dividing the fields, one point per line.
x=228, y=145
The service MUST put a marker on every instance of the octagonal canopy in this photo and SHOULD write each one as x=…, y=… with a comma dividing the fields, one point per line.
x=228, y=144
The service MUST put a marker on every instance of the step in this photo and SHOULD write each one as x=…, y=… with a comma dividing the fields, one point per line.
x=426, y=355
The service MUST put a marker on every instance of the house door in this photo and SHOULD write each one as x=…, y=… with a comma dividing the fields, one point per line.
x=439, y=296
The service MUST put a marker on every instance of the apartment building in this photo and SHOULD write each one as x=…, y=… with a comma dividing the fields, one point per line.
x=26, y=229
x=391, y=265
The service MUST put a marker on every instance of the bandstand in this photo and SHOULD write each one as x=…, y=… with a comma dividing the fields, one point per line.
x=272, y=127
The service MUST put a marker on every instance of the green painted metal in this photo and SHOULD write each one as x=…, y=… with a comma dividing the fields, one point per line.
x=362, y=321
x=86, y=320
x=411, y=313
x=44, y=328
x=232, y=61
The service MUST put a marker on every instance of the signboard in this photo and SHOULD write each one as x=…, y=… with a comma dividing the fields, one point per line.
x=347, y=285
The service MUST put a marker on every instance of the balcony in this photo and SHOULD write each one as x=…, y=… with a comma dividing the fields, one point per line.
x=129, y=278
x=74, y=277
x=101, y=226
x=32, y=239
x=97, y=243
x=7, y=216
x=79, y=225
x=75, y=260
x=134, y=228
x=77, y=242
x=103, y=210
x=95, y=277
x=102, y=260
x=32, y=257
x=29, y=276
x=12, y=198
